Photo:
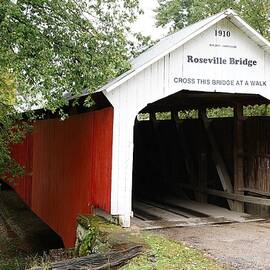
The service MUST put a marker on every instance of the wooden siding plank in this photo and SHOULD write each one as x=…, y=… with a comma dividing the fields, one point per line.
x=238, y=160
x=256, y=191
x=22, y=153
x=232, y=196
x=156, y=211
x=72, y=169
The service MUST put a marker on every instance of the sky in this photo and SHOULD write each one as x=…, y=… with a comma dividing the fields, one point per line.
x=146, y=22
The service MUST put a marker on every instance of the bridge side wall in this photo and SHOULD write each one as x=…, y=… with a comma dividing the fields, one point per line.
x=71, y=169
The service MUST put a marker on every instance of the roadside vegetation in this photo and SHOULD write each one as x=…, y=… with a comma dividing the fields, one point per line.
x=10, y=257
x=165, y=254
x=21, y=243
x=161, y=254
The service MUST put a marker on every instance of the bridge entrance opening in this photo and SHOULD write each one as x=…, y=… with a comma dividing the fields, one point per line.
x=194, y=160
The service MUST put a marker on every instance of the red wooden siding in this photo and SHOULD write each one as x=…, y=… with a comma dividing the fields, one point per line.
x=22, y=153
x=72, y=162
x=100, y=184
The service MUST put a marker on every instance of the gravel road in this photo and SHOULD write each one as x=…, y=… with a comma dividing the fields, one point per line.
x=244, y=246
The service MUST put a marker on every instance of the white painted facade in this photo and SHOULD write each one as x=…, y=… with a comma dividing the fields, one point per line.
x=222, y=54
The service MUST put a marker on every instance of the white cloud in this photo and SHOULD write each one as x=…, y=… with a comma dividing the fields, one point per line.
x=146, y=22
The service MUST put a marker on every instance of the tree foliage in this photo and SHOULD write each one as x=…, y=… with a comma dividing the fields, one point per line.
x=63, y=46
x=180, y=13
x=50, y=49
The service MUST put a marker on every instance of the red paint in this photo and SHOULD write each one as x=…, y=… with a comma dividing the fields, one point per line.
x=22, y=153
x=101, y=150
x=72, y=162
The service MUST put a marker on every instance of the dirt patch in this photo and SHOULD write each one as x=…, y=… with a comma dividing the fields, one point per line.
x=22, y=234
x=243, y=246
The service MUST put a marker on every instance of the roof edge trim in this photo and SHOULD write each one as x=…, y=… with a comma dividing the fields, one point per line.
x=220, y=17
x=228, y=13
x=250, y=29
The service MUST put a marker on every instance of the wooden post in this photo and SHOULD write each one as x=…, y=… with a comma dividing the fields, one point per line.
x=158, y=141
x=202, y=163
x=188, y=158
x=219, y=162
x=152, y=116
x=203, y=176
x=238, y=159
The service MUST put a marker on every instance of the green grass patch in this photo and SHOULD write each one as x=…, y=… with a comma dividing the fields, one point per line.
x=10, y=259
x=165, y=254
x=16, y=263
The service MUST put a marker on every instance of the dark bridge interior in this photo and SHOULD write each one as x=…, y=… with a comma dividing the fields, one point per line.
x=200, y=159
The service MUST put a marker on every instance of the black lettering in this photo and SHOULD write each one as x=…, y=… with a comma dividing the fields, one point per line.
x=190, y=59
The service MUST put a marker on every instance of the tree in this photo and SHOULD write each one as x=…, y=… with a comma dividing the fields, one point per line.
x=50, y=49
x=12, y=129
x=139, y=44
x=63, y=46
x=180, y=13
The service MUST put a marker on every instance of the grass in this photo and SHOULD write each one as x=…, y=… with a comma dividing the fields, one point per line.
x=164, y=254
x=9, y=259
x=161, y=253
x=22, y=235
x=11, y=264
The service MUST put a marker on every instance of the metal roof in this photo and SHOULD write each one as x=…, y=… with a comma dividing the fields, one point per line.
x=173, y=41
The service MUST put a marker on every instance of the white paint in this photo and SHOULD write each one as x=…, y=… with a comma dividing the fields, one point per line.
x=156, y=81
x=205, y=77
x=174, y=41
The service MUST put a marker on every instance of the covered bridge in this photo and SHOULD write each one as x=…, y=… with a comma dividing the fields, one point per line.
x=136, y=147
